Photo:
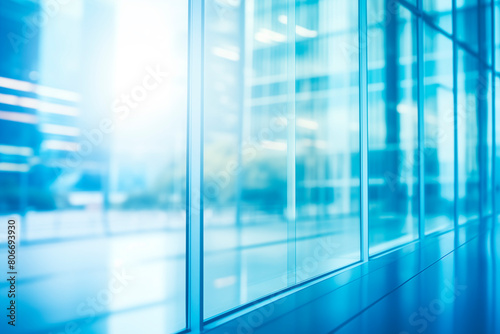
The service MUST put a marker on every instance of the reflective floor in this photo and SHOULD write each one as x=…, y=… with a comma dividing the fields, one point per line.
x=124, y=271
x=448, y=284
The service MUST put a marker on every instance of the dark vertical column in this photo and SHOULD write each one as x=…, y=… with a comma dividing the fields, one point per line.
x=392, y=123
x=482, y=110
x=363, y=128
x=421, y=133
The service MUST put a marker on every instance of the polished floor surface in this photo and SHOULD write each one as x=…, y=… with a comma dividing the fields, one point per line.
x=446, y=284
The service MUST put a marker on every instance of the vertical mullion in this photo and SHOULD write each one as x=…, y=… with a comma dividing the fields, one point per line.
x=493, y=116
x=363, y=129
x=421, y=133
x=194, y=214
x=482, y=115
x=291, y=176
x=455, y=119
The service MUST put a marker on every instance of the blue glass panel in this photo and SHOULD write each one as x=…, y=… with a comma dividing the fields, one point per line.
x=439, y=12
x=392, y=128
x=327, y=137
x=245, y=158
x=439, y=131
x=468, y=137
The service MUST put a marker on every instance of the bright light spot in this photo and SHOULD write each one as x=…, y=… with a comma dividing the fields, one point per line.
x=16, y=84
x=26, y=86
x=274, y=145
x=319, y=144
x=299, y=30
x=307, y=124
x=269, y=36
x=60, y=145
x=304, y=32
x=11, y=167
x=60, y=130
x=18, y=117
x=9, y=99
x=224, y=281
x=28, y=102
x=16, y=150
x=79, y=198
x=57, y=93
x=405, y=109
x=226, y=54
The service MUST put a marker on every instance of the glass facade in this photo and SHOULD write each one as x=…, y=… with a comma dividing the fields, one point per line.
x=392, y=126
x=468, y=119
x=439, y=13
x=327, y=147
x=439, y=144
x=330, y=132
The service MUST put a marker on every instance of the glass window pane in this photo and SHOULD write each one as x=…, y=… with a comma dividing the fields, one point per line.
x=392, y=128
x=327, y=137
x=468, y=137
x=248, y=253
x=439, y=12
x=245, y=158
x=94, y=110
x=467, y=22
x=439, y=134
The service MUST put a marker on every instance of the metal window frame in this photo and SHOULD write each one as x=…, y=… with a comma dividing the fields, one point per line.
x=363, y=127
x=421, y=123
x=194, y=169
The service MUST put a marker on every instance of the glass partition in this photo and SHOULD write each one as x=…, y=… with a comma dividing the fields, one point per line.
x=392, y=126
x=281, y=146
x=439, y=12
x=245, y=158
x=327, y=137
x=439, y=131
x=468, y=137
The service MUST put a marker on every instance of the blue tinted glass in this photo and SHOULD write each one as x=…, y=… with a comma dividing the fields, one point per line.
x=327, y=137
x=92, y=155
x=497, y=146
x=263, y=228
x=246, y=153
x=467, y=22
x=392, y=128
x=439, y=12
x=468, y=137
x=439, y=133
